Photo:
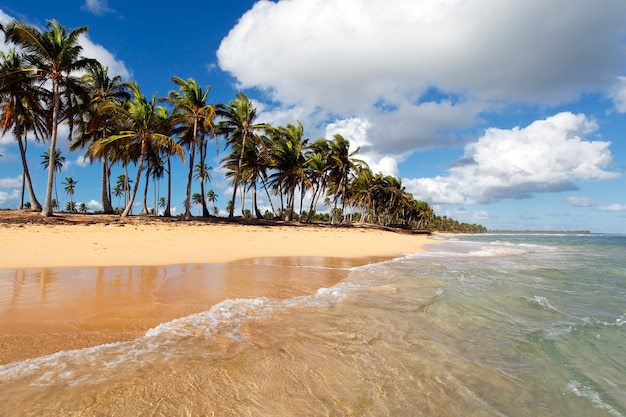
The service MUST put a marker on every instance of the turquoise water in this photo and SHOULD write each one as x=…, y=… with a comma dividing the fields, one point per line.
x=488, y=325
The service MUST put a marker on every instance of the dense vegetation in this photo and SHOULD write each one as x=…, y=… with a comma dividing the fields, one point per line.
x=114, y=123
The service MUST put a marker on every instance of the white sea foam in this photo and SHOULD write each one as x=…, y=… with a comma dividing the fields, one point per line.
x=95, y=364
x=584, y=391
x=544, y=302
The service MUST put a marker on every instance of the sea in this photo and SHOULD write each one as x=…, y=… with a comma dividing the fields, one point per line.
x=477, y=325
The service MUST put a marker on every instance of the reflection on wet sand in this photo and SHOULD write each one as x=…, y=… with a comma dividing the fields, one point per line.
x=45, y=310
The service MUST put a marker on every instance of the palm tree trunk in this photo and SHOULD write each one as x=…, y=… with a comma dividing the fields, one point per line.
x=192, y=154
x=34, y=203
x=237, y=174
x=107, y=208
x=168, y=211
x=144, y=211
x=47, y=206
x=268, y=196
x=136, y=187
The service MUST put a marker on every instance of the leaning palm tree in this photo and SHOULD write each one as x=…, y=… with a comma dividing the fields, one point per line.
x=144, y=125
x=55, y=55
x=195, y=118
x=238, y=126
x=21, y=111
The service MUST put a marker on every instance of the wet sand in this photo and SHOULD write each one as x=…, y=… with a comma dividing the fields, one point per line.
x=66, y=287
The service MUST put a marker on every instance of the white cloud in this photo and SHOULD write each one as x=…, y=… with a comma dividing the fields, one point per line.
x=94, y=205
x=7, y=198
x=613, y=207
x=105, y=57
x=580, y=202
x=546, y=156
x=15, y=182
x=420, y=70
x=618, y=95
x=97, y=7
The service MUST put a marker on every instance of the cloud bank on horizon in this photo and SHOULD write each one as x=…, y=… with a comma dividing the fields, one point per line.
x=398, y=76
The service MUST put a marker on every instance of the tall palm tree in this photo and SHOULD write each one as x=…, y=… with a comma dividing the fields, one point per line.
x=318, y=168
x=145, y=125
x=195, y=116
x=343, y=164
x=55, y=162
x=96, y=124
x=70, y=187
x=22, y=111
x=289, y=163
x=55, y=55
x=237, y=125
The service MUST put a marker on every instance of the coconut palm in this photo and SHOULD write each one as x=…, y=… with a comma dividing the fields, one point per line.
x=70, y=207
x=238, y=127
x=55, y=54
x=211, y=197
x=203, y=174
x=57, y=165
x=82, y=208
x=289, y=163
x=318, y=168
x=195, y=116
x=96, y=124
x=70, y=186
x=343, y=164
x=21, y=111
x=144, y=125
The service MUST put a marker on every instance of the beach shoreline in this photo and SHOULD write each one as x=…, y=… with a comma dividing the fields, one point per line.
x=76, y=281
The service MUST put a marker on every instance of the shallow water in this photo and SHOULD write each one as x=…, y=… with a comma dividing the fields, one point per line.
x=489, y=325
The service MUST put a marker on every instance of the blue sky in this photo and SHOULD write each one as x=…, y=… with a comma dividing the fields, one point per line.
x=505, y=113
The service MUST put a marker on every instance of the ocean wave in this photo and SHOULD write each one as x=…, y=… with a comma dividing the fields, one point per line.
x=94, y=364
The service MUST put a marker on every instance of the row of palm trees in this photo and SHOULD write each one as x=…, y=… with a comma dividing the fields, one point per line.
x=48, y=83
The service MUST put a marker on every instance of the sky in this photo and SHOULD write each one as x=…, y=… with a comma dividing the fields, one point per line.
x=503, y=113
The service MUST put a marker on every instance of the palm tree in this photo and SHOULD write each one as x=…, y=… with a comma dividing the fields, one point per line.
x=22, y=111
x=211, y=197
x=203, y=174
x=70, y=185
x=196, y=199
x=82, y=208
x=70, y=207
x=162, y=202
x=59, y=160
x=97, y=124
x=343, y=164
x=144, y=125
x=318, y=168
x=289, y=163
x=56, y=55
x=195, y=117
x=238, y=126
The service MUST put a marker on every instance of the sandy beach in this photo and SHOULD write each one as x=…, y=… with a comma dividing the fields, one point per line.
x=77, y=281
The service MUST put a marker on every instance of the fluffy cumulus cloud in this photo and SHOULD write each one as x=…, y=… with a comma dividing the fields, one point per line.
x=420, y=70
x=546, y=156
